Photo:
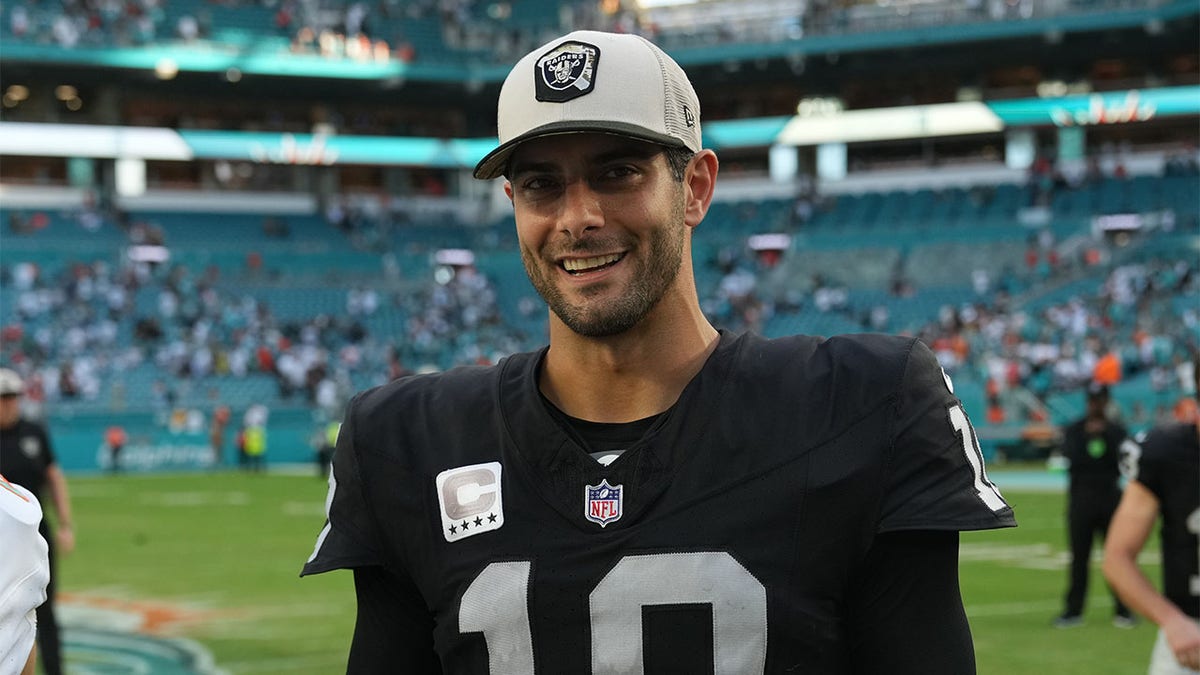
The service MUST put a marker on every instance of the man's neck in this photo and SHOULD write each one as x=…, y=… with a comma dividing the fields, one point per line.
x=626, y=377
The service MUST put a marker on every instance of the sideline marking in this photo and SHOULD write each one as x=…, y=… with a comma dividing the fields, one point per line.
x=185, y=498
x=104, y=635
x=146, y=616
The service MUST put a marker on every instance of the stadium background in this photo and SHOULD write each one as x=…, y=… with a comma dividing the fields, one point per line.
x=266, y=206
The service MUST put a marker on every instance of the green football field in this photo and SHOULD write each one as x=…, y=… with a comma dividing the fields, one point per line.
x=198, y=573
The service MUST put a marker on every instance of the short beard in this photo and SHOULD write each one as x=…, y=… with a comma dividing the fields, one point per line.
x=649, y=284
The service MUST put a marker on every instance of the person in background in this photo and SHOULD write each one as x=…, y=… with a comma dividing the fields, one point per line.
x=27, y=459
x=254, y=438
x=326, y=444
x=1164, y=482
x=648, y=493
x=24, y=574
x=216, y=435
x=115, y=438
x=1092, y=446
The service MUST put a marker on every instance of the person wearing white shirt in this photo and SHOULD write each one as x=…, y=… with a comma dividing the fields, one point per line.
x=24, y=573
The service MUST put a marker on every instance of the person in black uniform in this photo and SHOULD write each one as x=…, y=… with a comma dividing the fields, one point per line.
x=647, y=493
x=27, y=459
x=1092, y=446
x=1165, y=480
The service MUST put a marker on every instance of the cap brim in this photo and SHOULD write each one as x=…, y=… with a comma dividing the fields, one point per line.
x=495, y=163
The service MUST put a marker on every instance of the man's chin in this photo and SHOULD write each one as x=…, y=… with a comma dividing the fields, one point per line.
x=592, y=325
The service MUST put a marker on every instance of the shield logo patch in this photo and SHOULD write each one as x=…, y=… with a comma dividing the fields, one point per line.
x=602, y=504
x=566, y=72
x=31, y=446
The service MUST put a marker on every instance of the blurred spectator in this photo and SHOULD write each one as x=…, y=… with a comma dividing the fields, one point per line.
x=1092, y=446
x=18, y=23
x=115, y=438
x=254, y=442
x=216, y=434
x=326, y=443
x=1108, y=369
x=188, y=28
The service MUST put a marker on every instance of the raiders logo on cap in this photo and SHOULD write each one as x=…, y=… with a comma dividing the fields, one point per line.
x=566, y=72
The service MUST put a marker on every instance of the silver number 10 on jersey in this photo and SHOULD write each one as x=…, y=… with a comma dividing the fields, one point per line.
x=495, y=605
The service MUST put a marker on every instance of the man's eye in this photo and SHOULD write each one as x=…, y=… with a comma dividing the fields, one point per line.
x=537, y=184
x=619, y=172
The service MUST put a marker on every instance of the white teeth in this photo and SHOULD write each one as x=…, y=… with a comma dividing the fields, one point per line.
x=580, y=264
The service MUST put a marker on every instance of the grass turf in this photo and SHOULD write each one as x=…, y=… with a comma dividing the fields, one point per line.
x=215, y=558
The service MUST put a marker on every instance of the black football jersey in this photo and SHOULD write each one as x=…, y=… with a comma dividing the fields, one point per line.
x=1095, y=458
x=1169, y=466
x=25, y=455
x=732, y=529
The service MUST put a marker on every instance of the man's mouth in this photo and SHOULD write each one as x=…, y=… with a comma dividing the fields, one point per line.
x=595, y=263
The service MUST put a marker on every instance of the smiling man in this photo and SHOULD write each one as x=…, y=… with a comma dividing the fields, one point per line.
x=648, y=493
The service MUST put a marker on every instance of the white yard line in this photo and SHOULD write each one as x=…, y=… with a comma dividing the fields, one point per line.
x=283, y=665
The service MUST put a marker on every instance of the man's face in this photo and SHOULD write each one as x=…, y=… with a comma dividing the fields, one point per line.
x=600, y=221
x=10, y=410
x=1097, y=407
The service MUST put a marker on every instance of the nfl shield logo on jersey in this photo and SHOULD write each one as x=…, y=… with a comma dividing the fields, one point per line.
x=602, y=503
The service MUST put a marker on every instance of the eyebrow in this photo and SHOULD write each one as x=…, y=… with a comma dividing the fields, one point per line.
x=640, y=151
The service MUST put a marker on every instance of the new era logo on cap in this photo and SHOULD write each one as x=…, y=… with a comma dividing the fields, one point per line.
x=636, y=90
x=568, y=71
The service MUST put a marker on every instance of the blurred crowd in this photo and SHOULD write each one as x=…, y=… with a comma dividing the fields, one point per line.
x=386, y=30
x=353, y=29
x=1128, y=327
x=1128, y=321
x=99, y=332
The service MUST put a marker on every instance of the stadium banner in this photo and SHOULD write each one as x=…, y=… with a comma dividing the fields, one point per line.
x=178, y=444
x=1115, y=107
x=951, y=119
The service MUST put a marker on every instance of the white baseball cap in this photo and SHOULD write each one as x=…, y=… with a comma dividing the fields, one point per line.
x=10, y=383
x=588, y=81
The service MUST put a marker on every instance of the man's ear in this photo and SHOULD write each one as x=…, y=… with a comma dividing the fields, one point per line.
x=699, y=181
x=508, y=189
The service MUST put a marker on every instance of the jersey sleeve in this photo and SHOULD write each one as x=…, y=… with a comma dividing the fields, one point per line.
x=350, y=536
x=1148, y=462
x=392, y=627
x=935, y=477
x=905, y=611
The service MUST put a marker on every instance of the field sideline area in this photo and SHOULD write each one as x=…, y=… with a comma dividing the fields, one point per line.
x=198, y=573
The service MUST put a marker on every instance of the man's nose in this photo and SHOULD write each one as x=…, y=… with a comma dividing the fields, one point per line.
x=581, y=210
